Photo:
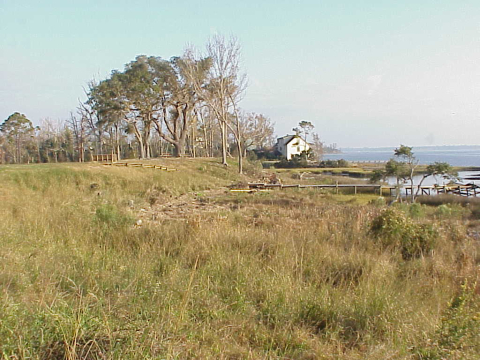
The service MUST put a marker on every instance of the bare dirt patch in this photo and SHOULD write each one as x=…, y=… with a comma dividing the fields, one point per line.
x=184, y=206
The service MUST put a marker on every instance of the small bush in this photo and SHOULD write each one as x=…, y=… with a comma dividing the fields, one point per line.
x=416, y=210
x=417, y=240
x=392, y=229
x=295, y=162
x=444, y=210
x=333, y=164
x=388, y=227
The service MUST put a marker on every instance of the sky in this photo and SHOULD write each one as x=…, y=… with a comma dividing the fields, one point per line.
x=366, y=73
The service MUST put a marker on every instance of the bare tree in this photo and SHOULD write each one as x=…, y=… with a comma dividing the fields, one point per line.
x=78, y=126
x=89, y=112
x=223, y=89
x=206, y=127
x=256, y=131
x=226, y=87
x=317, y=146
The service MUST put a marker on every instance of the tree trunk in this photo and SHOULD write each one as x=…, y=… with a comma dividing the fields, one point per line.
x=142, y=150
x=17, y=150
x=239, y=149
x=38, y=153
x=193, y=139
x=178, y=149
x=223, y=129
x=240, y=158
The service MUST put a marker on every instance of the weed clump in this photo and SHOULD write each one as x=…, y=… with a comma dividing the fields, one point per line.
x=108, y=214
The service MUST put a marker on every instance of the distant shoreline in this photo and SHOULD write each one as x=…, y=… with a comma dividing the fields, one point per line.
x=415, y=148
x=465, y=156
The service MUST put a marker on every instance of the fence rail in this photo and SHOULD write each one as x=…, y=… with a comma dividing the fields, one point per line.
x=457, y=189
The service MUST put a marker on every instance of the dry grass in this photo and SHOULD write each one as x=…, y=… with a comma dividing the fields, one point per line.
x=290, y=275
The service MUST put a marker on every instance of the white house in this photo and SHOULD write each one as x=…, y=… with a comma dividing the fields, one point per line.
x=290, y=145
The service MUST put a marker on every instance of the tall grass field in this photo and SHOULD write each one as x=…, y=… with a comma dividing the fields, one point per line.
x=102, y=262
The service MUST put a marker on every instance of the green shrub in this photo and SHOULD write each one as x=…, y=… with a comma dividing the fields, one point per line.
x=295, y=162
x=417, y=240
x=443, y=211
x=451, y=211
x=392, y=229
x=333, y=164
x=416, y=210
x=388, y=227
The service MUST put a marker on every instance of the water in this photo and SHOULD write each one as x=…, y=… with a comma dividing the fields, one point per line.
x=439, y=180
x=454, y=155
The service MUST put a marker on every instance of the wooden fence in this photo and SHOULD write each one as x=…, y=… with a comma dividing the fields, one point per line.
x=457, y=189
x=104, y=157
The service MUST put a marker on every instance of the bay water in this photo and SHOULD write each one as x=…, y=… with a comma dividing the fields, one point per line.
x=462, y=155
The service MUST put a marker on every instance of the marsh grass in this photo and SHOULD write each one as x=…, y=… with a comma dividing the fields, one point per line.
x=292, y=274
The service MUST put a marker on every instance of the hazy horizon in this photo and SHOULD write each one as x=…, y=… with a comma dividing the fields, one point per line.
x=365, y=75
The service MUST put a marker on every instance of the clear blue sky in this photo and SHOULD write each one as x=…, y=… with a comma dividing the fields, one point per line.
x=365, y=73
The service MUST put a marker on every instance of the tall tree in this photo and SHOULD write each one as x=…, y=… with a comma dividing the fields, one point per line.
x=108, y=99
x=151, y=92
x=78, y=125
x=306, y=127
x=224, y=88
x=144, y=80
x=408, y=164
x=17, y=130
x=180, y=96
x=89, y=112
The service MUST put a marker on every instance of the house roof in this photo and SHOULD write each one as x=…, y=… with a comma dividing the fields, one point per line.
x=288, y=138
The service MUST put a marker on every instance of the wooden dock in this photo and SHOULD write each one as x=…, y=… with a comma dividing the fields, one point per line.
x=459, y=189
x=456, y=189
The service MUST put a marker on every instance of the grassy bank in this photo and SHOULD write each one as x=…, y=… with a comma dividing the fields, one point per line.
x=292, y=274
